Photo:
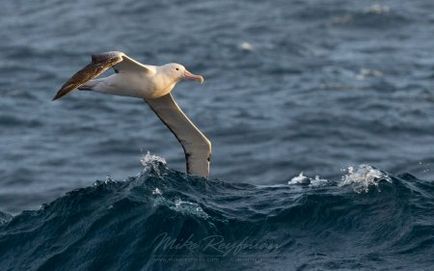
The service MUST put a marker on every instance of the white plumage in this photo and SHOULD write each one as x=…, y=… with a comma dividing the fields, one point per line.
x=154, y=84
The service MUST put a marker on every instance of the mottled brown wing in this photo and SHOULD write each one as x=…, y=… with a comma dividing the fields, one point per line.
x=100, y=63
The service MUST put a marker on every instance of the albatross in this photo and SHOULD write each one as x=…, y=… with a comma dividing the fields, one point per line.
x=154, y=84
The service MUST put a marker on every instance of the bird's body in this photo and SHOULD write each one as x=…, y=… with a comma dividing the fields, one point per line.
x=154, y=84
x=140, y=84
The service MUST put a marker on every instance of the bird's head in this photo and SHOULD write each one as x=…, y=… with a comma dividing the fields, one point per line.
x=179, y=72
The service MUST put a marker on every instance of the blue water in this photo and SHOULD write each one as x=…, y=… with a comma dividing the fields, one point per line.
x=342, y=90
x=164, y=220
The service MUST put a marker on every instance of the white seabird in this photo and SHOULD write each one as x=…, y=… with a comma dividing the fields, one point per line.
x=154, y=84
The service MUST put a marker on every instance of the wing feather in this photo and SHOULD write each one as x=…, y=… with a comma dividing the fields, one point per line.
x=100, y=63
x=130, y=65
x=197, y=147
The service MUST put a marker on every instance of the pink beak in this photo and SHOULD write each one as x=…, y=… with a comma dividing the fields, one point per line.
x=188, y=75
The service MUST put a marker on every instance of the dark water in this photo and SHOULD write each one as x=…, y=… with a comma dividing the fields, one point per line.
x=291, y=86
x=163, y=220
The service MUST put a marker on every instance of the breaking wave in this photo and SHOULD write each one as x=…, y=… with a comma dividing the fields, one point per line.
x=164, y=220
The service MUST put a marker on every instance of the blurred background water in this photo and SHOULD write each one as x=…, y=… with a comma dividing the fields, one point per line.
x=291, y=86
x=318, y=87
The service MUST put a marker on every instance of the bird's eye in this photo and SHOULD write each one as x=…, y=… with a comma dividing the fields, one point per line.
x=177, y=69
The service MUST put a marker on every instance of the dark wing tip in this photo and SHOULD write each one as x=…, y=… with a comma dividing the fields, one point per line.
x=99, y=64
x=63, y=91
x=59, y=95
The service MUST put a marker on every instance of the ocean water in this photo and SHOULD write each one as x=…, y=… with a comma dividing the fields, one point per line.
x=165, y=220
x=320, y=113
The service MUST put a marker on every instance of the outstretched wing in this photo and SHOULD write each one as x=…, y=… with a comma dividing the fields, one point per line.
x=197, y=147
x=130, y=65
x=100, y=63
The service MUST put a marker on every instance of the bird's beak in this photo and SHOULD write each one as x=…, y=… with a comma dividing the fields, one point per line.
x=188, y=75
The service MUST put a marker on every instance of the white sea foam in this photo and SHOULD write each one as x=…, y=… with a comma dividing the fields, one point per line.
x=304, y=180
x=149, y=158
x=318, y=181
x=150, y=161
x=363, y=177
x=245, y=46
x=300, y=179
x=187, y=207
x=181, y=206
x=157, y=191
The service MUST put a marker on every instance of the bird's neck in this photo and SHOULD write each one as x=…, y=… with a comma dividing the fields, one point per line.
x=164, y=84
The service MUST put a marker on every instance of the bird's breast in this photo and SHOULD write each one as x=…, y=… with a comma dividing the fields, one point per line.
x=141, y=85
x=133, y=84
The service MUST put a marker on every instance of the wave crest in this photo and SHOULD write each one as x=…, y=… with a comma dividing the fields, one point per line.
x=152, y=162
x=363, y=177
x=116, y=224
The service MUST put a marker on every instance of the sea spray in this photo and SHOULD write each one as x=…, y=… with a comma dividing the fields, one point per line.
x=363, y=177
